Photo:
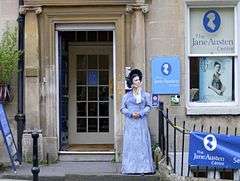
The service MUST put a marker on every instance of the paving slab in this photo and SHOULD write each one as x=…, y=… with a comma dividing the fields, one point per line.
x=60, y=169
x=12, y=180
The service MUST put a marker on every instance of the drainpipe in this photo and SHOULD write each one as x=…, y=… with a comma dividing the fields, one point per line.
x=20, y=117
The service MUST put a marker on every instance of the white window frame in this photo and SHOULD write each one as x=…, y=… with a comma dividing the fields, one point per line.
x=228, y=108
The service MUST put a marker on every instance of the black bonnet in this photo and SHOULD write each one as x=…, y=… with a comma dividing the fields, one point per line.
x=130, y=76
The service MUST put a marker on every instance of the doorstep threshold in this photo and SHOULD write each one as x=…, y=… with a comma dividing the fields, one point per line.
x=86, y=152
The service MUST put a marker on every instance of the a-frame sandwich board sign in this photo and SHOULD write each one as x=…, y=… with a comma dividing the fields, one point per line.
x=8, y=138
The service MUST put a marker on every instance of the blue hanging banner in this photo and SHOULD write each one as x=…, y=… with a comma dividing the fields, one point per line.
x=214, y=150
x=166, y=75
x=8, y=138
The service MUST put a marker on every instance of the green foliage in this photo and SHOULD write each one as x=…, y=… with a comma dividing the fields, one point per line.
x=114, y=159
x=155, y=146
x=9, y=55
x=3, y=167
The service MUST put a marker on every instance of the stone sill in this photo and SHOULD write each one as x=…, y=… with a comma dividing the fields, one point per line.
x=210, y=110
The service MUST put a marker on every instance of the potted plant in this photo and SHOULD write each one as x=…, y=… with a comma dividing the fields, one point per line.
x=9, y=56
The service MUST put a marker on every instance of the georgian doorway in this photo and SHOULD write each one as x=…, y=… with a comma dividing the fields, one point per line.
x=86, y=110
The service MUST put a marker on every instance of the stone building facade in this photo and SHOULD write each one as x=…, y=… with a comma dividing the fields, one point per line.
x=76, y=53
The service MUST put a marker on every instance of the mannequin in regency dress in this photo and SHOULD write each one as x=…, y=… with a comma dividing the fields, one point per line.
x=136, y=104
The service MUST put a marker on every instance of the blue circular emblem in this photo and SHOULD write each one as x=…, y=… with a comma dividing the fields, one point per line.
x=211, y=21
x=166, y=68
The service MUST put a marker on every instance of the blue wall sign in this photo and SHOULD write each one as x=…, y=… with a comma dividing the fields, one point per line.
x=165, y=75
x=155, y=100
x=8, y=138
x=211, y=21
x=214, y=150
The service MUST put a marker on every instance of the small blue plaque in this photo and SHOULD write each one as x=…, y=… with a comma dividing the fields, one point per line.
x=165, y=75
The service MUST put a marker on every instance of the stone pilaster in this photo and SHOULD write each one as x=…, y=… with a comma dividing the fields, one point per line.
x=31, y=80
x=137, y=53
x=32, y=66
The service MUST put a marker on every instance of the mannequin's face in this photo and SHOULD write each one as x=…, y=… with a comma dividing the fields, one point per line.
x=217, y=68
x=136, y=82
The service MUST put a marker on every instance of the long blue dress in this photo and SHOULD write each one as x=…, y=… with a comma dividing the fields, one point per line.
x=137, y=153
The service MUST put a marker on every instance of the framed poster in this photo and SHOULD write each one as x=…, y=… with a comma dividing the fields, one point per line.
x=212, y=30
x=215, y=79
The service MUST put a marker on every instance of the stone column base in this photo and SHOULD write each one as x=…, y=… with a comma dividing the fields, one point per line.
x=47, y=148
x=50, y=149
x=27, y=147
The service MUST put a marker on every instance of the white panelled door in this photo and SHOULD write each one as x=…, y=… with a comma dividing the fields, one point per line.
x=91, y=94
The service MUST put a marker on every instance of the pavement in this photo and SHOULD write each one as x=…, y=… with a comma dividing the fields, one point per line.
x=11, y=180
x=62, y=168
x=74, y=171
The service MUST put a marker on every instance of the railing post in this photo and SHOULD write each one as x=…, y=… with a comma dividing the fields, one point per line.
x=183, y=142
x=174, y=145
x=35, y=168
x=161, y=139
x=167, y=137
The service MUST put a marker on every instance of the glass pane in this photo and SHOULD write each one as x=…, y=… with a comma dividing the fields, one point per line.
x=103, y=77
x=81, y=36
x=68, y=36
x=110, y=36
x=81, y=61
x=92, y=61
x=103, y=109
x=92, y=109
x=92, y=77
x=92, y=93
x=103, y=93
x=103, y=125
x=212, y=30
x=81, y=93
x=103, y=62
x=81, y=109
x=81, y=78
x=102, y=35
x=92, y=36
x=211, y=79
x=92, y=125
x=81, y=125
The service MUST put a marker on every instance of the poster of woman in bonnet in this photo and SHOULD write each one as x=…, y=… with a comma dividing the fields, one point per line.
x=136, y=105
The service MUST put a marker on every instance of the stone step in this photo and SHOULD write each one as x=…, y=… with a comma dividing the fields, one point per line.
x=86, y=156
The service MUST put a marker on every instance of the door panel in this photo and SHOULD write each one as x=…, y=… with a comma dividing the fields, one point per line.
x=90, y=105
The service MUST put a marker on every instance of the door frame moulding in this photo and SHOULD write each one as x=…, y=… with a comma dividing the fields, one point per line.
x=85, y=27
x=49, y=55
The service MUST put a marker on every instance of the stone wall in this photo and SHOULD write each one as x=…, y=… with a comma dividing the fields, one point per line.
x=165, y=36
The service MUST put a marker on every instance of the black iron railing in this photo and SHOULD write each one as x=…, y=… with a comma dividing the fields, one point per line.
x=170, y=133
